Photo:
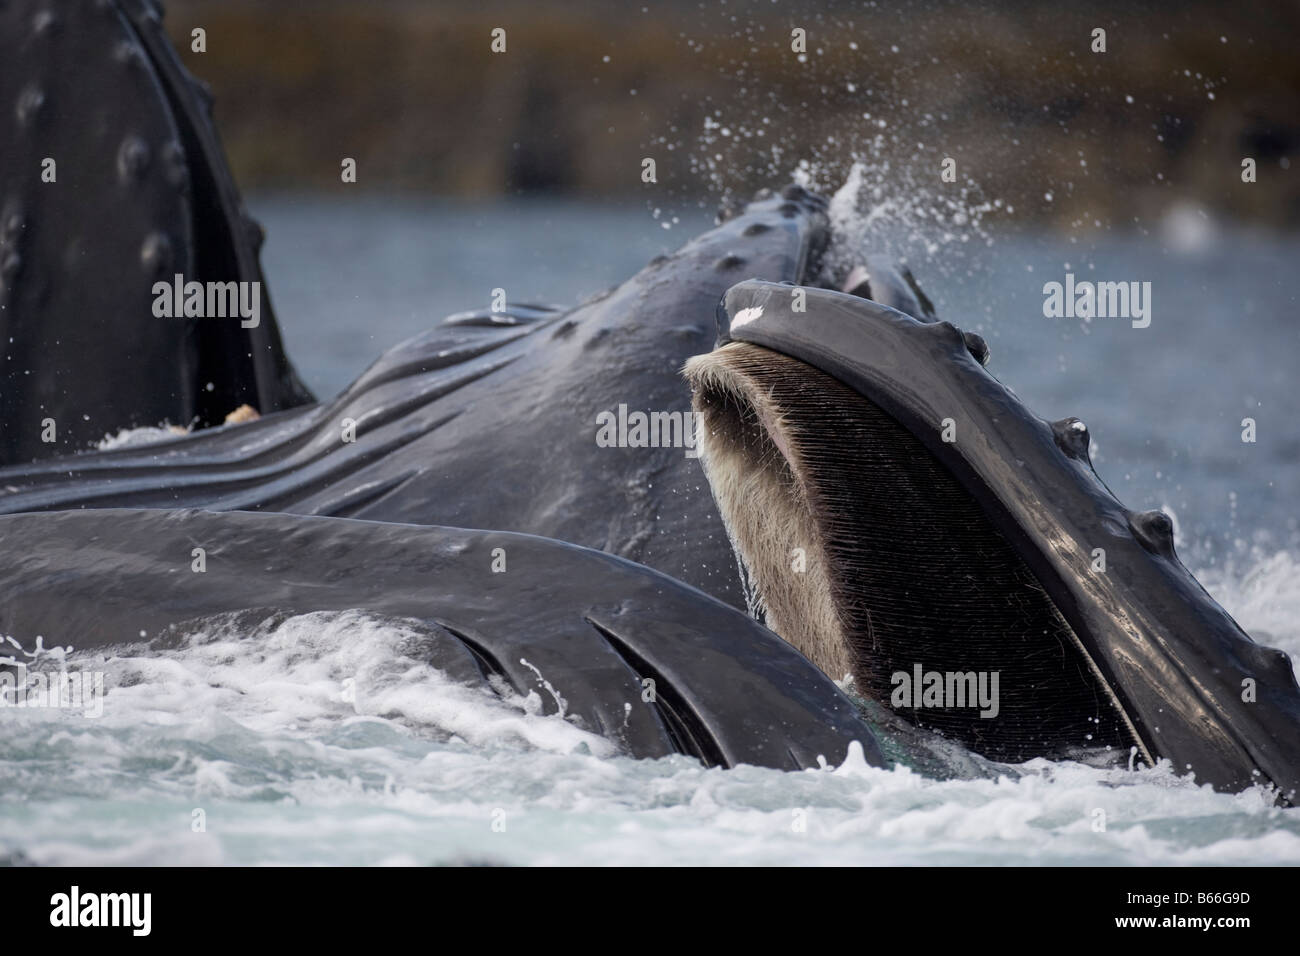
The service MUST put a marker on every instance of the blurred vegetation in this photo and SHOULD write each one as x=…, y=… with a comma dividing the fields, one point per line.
x=412, y=91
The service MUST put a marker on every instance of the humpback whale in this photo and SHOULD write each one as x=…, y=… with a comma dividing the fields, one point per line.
x=928, y=494
x=114, y=179
x=868, y=499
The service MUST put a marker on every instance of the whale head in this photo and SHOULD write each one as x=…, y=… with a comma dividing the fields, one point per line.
x=901, y=517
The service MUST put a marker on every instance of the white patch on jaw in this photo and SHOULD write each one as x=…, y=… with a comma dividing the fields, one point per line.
x=745, y=316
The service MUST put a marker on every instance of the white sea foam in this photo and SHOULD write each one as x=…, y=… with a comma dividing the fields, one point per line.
x=257, y=735
x=134, y=437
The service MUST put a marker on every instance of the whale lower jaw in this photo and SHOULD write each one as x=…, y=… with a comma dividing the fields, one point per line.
x=863, y=552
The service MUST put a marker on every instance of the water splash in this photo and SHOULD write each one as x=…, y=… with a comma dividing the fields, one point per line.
x=882, y=208
x=1262, y=592
x=252, y=729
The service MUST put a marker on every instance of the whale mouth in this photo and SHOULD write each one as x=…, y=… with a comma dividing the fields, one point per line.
x=862, y=550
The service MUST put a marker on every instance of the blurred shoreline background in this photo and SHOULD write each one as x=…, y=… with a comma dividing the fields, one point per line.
x=586, y=90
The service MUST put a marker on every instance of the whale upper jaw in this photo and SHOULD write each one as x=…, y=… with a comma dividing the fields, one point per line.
x=895, y=506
